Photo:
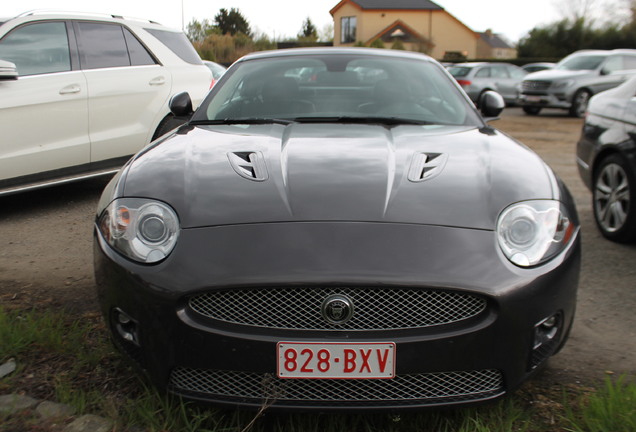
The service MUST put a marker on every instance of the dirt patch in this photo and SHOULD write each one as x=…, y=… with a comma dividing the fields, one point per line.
x=46, y=257
x=46, y=246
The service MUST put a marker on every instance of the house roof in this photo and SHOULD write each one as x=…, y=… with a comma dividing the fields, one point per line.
x=390, y=5
x=404, y=5
x=494, y=40
x=398, y=4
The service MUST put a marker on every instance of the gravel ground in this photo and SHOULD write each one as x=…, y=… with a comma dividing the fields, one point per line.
x=46, y=256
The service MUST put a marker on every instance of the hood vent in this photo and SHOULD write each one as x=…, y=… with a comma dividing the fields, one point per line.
x=425, y=166
x=249, y=165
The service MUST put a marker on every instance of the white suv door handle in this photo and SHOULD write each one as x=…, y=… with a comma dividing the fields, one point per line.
x=160, y=80
x=70, y=89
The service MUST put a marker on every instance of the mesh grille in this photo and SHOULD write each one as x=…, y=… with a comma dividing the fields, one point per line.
x=403, y=390
x=299, y=308
x=535, y=86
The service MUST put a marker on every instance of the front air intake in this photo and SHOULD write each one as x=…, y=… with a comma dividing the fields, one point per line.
x=425, y=166
x=249, y=165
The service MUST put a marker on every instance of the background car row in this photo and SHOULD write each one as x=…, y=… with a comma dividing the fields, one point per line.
x=567, y=85
x=478, y=78
x=576, y=78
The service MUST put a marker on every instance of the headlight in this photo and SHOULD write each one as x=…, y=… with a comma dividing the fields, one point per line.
x=562, y=84
x=532, y=232
x=141, y=229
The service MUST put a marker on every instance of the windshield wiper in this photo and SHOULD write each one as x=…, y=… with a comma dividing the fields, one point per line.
x=390, y=121
x=247, y=121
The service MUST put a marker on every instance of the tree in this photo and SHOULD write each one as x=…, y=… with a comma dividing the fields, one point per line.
x=232, y=22
x=555, y=40
x=196, y=31
x=309, y=31
x=564, y=37
x=326, y=35
x=574, y=10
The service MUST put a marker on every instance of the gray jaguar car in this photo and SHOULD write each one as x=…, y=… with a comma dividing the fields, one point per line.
x=359, y=240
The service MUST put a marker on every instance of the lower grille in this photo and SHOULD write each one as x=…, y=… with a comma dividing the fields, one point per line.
x=403, y=390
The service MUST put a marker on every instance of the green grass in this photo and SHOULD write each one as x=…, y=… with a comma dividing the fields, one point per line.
x=611, y=408
x=69, y=359
x=156, y=414
x=22, y=332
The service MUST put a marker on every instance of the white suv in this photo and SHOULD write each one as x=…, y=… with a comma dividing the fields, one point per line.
x=81, y=93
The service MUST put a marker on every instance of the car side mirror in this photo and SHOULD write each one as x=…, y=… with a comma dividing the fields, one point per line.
x=8, y=71
x=181, y=105
x=491, y=104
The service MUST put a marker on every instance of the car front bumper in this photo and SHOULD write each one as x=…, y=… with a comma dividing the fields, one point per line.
x=549, y=100
x=221, y=360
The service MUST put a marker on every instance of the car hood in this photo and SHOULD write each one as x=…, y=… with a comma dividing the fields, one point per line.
x=438, y=175
x=556, y=74
x=614, y=103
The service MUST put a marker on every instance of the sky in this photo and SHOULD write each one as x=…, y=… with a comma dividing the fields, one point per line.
x=280, y=18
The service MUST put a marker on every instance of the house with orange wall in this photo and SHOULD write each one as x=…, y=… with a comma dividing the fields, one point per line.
x=416, y=25
x=491, y=45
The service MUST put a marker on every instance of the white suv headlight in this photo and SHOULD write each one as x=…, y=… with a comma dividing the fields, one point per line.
x=531, y=232
x=563, y=84
x=141, y=229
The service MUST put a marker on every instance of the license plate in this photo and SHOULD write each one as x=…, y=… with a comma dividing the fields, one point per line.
x=533, y=98
x=337, y=360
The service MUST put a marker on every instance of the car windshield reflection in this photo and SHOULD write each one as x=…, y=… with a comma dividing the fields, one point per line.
x=342, y=88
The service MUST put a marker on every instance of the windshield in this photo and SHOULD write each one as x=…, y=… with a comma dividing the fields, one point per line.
x=580, y=62
x=178, y=43
x=337, y=88
x=459, y=71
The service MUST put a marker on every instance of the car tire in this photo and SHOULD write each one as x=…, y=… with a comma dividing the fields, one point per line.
x=169, y=123
x=614, y=199
x=579, y=103
x=531, y=110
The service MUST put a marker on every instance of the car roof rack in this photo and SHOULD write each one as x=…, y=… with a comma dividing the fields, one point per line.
x=88, y=14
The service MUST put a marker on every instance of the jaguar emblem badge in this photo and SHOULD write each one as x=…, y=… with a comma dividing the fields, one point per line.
x=337, y=309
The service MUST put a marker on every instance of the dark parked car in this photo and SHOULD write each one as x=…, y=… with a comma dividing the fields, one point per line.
x=478, y=78
x=362, y=240
x=606, y=156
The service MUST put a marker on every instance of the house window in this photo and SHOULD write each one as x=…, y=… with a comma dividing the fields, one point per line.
x=348, y=29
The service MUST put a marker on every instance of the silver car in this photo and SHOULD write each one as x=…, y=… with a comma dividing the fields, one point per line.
x=477, y=78
x=575, y=79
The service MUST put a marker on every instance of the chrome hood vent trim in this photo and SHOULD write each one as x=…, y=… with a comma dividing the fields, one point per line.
x=425, y=166
x=249, y=165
